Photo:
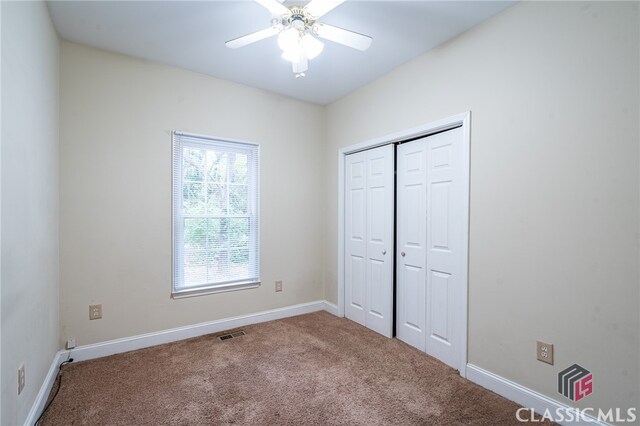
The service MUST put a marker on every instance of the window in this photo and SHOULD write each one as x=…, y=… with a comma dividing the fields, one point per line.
x=215, y=215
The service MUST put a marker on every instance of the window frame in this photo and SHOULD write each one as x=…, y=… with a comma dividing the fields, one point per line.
x=177, y=213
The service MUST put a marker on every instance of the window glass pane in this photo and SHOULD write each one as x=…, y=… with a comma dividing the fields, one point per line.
x=195, y=267
x=238, y=199
x=216, y=166
x=201, y=234
x=217, y=234
x=192, y=164
x=238, y=232
x=238, y=164
x=195, y=234
x=193, y=198
x=239, y=262
x=218, y=266
x=216, y=199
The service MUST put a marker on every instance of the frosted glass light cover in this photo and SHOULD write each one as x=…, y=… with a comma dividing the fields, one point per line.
x=288, y=39
x=312, y=46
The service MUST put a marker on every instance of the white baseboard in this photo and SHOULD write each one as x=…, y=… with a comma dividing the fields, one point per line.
x=45, y=389
x=524, y=396
x=98, y=350
x=111, y=347
x=331, y=308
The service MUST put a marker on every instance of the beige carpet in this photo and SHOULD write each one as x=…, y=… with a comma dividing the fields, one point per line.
x=313, y=369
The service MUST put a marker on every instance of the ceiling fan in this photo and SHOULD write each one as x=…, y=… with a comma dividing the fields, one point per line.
x=297, y=28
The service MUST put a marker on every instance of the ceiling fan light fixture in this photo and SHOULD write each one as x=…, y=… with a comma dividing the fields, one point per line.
x=307, y=46
x=312, y=46
x=297, y=28
x=293, y=55
x=299, y=67
x=289, y=39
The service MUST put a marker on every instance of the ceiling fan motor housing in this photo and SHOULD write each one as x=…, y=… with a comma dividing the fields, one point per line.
x=298, y=19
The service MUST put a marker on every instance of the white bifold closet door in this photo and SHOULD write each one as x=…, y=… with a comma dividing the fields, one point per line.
x=431, y=289
x=369, y=222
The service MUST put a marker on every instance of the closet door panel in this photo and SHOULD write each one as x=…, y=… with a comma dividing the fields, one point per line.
x=355, y=235
x=380, y=218
x=411, y=242
x=369, y=221
x=446, y=287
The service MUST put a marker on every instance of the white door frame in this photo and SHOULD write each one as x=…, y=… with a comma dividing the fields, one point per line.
x=464, y=120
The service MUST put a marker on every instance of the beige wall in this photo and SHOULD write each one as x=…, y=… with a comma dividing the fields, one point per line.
x=29, y=294
x=115, y=197
x=553, y=89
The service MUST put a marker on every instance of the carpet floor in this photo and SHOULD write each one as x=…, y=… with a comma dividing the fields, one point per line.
x=313, y=369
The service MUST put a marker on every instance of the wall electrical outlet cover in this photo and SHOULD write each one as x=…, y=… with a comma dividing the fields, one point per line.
x=278, y=285
x=71, y=343
x=21, y=379
x=544, y=352
x=95, y=312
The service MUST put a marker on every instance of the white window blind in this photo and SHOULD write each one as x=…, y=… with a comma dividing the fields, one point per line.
x=215, y=215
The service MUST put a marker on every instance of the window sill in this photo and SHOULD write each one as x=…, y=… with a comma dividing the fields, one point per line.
x=223, y=288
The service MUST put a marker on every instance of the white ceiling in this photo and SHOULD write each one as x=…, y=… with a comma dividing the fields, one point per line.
x=191, y=35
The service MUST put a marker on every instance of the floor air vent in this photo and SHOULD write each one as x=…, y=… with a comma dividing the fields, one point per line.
x=231, y=335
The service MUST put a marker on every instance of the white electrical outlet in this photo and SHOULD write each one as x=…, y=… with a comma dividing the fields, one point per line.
x=71, y=343
x=21, y=379
x=544, y=352
x=278, y=285
x=95, y=312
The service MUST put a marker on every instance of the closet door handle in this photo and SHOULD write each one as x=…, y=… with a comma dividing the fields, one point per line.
x=402, y=254
x=384, y=252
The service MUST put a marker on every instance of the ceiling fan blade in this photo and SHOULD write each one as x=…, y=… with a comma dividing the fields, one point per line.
x=317, y=8
x=274, y=7
x=252, y=38
x=339, y=35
